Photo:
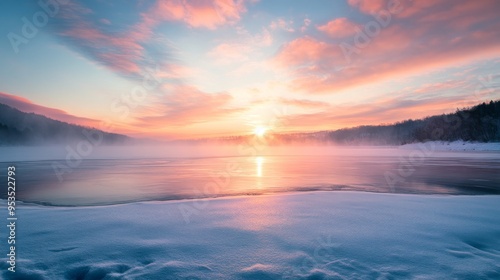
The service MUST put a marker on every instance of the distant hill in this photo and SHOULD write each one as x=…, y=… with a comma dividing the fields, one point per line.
x=20, y=128
x=479, y=123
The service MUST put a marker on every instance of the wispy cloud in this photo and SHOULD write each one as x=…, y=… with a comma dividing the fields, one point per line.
x=282, y=24
x=130, y=49
x=304, y=103
x=184, y=106
x=386, y=111
x=121, y=52
x=339, y=28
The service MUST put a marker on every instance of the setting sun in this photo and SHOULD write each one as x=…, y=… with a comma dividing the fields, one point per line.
x=260, y=131
x=288, y=139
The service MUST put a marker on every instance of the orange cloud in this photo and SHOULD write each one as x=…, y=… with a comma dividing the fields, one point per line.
x=184, y=106
x=386, y=111
x=409, y=103
x=25, y=105
x=306, y=51
x=304, y=103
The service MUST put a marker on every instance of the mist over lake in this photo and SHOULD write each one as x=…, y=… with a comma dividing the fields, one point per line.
x=121, y=174
x=249, y=139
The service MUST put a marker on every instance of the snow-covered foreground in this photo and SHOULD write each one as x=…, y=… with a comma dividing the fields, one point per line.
x=320, y=235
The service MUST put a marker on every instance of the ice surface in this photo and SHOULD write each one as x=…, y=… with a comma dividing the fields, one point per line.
x=316, y=235
x=423, y=169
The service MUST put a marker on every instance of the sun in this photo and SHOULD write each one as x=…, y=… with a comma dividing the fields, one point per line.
x=260, y=131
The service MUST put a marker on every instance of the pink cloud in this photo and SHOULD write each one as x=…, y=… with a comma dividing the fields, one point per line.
x=121, y=52
x=200, y=13
x=124, y=51
x=419, y=8
x=305, y=50
x=407, y=46
x=339, y=27
x=241, y=49
x=304, y=27
x=176, y=72
x=25, y=105
x=459, y=15
x=282, y=24
x=369, y=6
x=408, y=103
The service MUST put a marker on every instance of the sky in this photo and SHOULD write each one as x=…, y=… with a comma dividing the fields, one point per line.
x=178, y=69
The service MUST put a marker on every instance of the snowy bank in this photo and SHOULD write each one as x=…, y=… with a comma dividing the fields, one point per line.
x=456, y=146
x=321, y=235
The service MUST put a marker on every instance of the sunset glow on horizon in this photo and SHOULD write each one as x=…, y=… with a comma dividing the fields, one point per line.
x=260, y=131
x=186, y=69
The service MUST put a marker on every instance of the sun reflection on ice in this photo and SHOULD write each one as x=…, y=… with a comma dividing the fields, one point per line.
x=259, y=161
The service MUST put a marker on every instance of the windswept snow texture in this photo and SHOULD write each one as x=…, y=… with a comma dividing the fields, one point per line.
x=316, y=235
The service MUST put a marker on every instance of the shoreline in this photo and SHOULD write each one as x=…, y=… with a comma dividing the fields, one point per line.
x=3, y=202
x=319, y=234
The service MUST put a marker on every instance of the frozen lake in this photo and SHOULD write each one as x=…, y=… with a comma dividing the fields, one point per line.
x=120, y=180
x=332, y=214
